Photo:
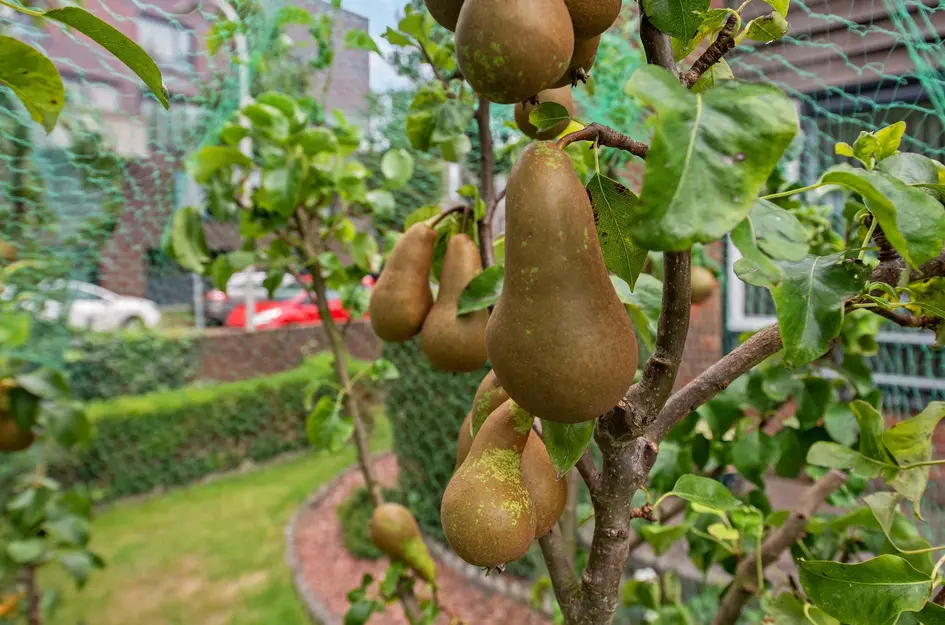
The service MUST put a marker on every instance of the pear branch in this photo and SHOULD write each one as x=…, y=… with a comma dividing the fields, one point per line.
x=565, y=583
x=646, y=398
x=486, y=182
x=607, y=137
x=722, y=45
x=746, y=579
x=589, y=472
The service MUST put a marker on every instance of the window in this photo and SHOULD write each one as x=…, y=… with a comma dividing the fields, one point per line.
x=91, y=95
x=167, y=43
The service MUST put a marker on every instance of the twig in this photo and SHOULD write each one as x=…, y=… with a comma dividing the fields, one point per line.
x=429, y=60
x=907, y=321
x=746, y=575
x=589, y=472
x=34, y=614
x=722, y=45
x=486, y=181
x=605, y=136
x=673, y=510
x=646, y=398
x=715, y=379
x=656, y=45
x=566, y=586
x=643, y=512
x=447, y=213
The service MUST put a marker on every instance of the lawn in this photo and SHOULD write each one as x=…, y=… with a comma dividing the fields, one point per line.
x=211, y=554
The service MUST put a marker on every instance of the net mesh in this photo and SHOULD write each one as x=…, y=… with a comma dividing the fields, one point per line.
x=94, y=197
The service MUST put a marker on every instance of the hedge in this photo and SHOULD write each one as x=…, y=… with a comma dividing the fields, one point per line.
x=106, y=365
x=176, y=437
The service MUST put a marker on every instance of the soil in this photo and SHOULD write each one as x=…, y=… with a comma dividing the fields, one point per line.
x=331, y=572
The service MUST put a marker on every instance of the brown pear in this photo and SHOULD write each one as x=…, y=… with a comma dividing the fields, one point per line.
x=395, y=532
x=592, y=17
x=488, y=516
x=703, y=284
x=585, y=53
x=12, y=436
x=452, y=342
x=510, y=51
x=402, y=298
x=488, y=397
x=559, y=340
x=561, y=96
x=7, y=251
x=445, y=12
x=549, y=494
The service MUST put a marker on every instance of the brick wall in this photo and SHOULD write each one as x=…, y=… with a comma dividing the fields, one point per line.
x=227, y=355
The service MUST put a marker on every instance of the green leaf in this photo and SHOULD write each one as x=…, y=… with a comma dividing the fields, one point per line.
x=710, y=22
x=451, y=120
x=122, y=48
x=779, y=233
x=210, y=159
x=268, y=120
x=187, y=238
x=710, y=155
x=912, y=168
x=747, y=520
x=26, y=551
x=754, y=267
x=705, y=492
x=14, y=329
x=752, y=454
x=34, y=80
x=931, y=614
x=317, y=140
x=790, y=453
x=913, y=221
x=813, y=401
x=566, y=443
x=548, y=115
x=613, y=206
x=71, y=530
x=287, y=105
x=889, y=139
x=662, y=537
x=483, y=291
x=869, y=593
x=871, y=435
x=885, y=509
x=909, y=442
x=841, y=425
x=643, y=304
x=715, y=75
x=832, y=456
x=421, y=117
x=396, y=38
x=327, y=430
x=455, y=149
x=809, y=303
x=358, y=39
x=767, y=28
x=422, y=214
x=365, y=253
x=677, y=18
x=789, y=610
x=723, y=532
x=397, y=167
x=781, y=6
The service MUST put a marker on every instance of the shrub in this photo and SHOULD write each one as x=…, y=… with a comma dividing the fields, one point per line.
x=176, y=437
x=106, y=365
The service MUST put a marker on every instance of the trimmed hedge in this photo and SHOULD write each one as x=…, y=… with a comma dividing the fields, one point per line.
x=106, y=365
x=176, y=437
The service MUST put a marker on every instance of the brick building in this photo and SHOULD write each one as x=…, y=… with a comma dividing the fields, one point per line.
x=105, y=97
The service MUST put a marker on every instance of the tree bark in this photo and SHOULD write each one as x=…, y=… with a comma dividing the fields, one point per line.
x=486, y=182
x=34, y=613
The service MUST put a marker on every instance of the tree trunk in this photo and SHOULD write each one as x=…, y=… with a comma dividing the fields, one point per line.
x=34, y=614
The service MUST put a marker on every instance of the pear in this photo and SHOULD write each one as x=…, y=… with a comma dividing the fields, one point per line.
x=445, y=12
x=395, y=532
x=509, y=51
x=585, y=53
x=402, y=298
x=560, y=341
x=488, y=516
x=561, y=96
x=548, y=493
x=592, y=17
x=451, y=342
x=703, y=284
x=489, y=396
x=12, y=436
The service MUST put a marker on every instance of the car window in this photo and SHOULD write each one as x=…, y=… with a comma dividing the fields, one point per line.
x=285, y=293
x=79, y=294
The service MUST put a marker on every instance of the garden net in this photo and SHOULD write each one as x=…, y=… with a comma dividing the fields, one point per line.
x=94, y=197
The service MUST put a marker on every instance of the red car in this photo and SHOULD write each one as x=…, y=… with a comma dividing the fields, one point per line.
x=290, y=305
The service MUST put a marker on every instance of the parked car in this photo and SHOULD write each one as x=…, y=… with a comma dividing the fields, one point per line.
x=290, y=305
x=219, y=304
x=91, y=307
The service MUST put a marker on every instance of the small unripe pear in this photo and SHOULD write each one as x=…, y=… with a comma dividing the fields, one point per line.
x=397, y=535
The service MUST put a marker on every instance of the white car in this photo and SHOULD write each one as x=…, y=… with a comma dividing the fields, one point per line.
x=91, y=307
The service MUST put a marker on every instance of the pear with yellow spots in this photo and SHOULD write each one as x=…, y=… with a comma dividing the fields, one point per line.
x=489, y=396
x=488, y=515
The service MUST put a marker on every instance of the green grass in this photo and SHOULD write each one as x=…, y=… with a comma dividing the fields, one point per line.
x=211, y=554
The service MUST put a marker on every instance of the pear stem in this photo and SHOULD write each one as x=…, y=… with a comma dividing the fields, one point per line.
x=447, y=213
